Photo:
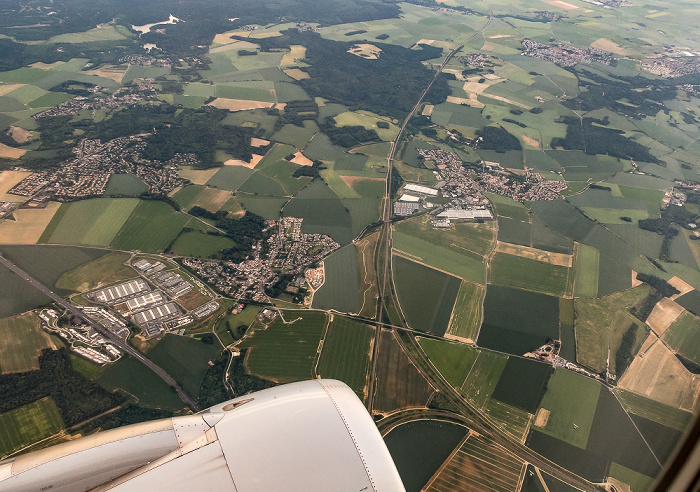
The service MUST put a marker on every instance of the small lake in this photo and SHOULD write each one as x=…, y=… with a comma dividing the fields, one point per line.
x=420, y=447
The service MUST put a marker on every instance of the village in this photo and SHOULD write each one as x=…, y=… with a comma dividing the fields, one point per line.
x=564, y=55
x=465, y=185
x=284, y=258
x=88, y=173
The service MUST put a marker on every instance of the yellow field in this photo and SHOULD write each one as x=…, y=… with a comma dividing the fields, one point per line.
x=663, y=315
x=19, y=134
x=6, y=88
x=296, y=54
x=28, y=225
x=532, y=142
x=607, y=45
x=562, y=5
x=11, y=152
x=234, y=44
x=681, y=285
x=239, y=104
x=250, y=165
x=559, y=259
x=657, y=374
x=296, y=73
x=109, y=72
x=365, y=50
x=258, y=142
x=428, y=110
x=212, y=199
x=197, y=176
x=7, y=180
x=47, y=66
x=302, y=160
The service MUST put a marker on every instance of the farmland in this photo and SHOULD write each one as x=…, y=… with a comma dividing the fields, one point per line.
x=518, y=321
x=466, y=316
x=426, y=295
x=340, y=290
x=586, y=266
x=674, y=384
x=346, y=354
x=28, y=424
x=522, y=383
x=571, y=400
x=149, y=390
x=483, y=376
x=285, y=352
x=452, y=360
x=683, y=336
x=152, y=227
x=367, y=274
x=185, y=359
x=21, y=342
x=228, y=325
x=655, y=411
x=399, y=383
x=200, y=245
x=102, y=271
x=594, y=317
x=524, y=273
x=90, y=222
x=28, y=226
x=479, y=464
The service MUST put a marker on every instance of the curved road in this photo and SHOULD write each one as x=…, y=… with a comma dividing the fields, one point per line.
x=101, y=330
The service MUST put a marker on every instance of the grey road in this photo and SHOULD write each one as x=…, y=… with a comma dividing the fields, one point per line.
x=118, y=342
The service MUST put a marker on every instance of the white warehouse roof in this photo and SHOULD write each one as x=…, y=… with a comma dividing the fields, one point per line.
x=409, y=198
x=420, y=189
x=313, y=436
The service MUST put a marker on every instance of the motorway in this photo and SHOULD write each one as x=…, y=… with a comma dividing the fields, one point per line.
x=118, y=342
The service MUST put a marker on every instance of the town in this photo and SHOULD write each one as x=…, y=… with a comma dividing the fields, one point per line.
x=564, y=55
x=282, y=259
x=87, y=174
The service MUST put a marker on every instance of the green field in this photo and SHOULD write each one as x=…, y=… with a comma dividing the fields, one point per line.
x=637, y=481
x=230, y=177
x=466, y=317
x=285, y=352
x=28, y=424
x=233, y=321
x=103, y=271
x=347, y=354
x=586, y=266
x=654, y=410
x=132, y=376
x=151, y=228
x=594, y=317
x=21, y=343
x=483, y=376
x=125, y=184
x=47, y=263
x=452, y=360
x=101, y=33
x=186, y=196
x=459, y=251
x=200, y=245
x=518, y=321
x=185, y=359
x=683, y=336
x=340, y=289
x=525, y=273
x=260, y=184
x=571, y=400
x=426, y=295
x=89, y=222
x=268, y=207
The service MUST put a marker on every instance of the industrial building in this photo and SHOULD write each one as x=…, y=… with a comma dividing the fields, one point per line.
x=405, y=208
x=459, y=214
x=114, y=294
x=145, y=300
x=168, y=310
x=421, y=190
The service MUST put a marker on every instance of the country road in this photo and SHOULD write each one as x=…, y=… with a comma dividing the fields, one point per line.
x=118, y=342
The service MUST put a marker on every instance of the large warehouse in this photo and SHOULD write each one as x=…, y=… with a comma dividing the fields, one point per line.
x=159, y=312
x=112, y=295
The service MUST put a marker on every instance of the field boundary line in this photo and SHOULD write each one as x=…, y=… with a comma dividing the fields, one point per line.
x=410, y=257
x=447, y=461
x=487, y=264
